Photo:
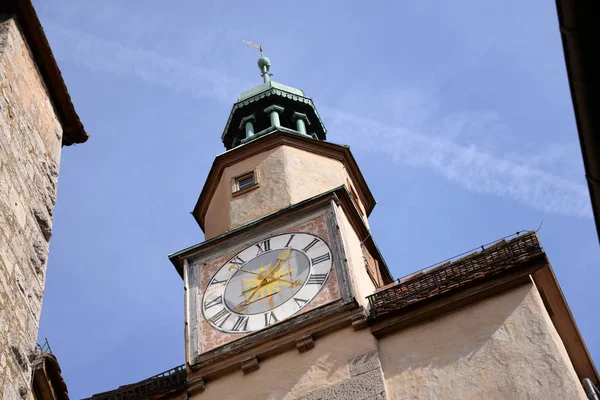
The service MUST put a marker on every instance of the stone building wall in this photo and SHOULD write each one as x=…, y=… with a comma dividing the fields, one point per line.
x=30, y=145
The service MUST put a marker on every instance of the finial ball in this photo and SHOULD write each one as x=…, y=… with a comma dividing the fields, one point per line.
x=264, y=62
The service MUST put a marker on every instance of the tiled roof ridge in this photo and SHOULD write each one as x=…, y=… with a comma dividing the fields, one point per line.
x=157, y=385
x=450, y=275
x=73, y=130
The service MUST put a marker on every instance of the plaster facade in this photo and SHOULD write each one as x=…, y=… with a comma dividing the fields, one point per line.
x=361, y=282
x=30, y=146
x=286, y=176
x=504, y=347
x=343, y=365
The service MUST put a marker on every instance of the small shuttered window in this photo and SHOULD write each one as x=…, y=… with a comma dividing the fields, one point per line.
x=244, y=183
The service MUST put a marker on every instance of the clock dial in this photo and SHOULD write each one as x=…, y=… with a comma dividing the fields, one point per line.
x=267, y=282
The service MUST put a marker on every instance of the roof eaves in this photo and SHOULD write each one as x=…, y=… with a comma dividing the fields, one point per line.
x=424, y=286
x=579, y=29
x=273, y=91
x=73, y=130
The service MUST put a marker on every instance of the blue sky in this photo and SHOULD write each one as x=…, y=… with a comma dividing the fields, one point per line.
x=458, y=113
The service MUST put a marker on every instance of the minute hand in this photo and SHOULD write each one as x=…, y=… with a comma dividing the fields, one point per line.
x=272, y=279
x=243, y=270
x=284, y=255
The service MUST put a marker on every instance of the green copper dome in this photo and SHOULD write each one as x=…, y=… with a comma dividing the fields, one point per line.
x=271, y=107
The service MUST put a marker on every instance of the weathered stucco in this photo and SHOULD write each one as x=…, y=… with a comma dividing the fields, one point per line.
x=226, y=212
x=361, y=282
x=330, y=370
x=309, y=174
x=30, y=144
x=504, y=347
x=286, y=176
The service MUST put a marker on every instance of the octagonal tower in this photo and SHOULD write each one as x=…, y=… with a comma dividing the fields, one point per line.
x=276, y=157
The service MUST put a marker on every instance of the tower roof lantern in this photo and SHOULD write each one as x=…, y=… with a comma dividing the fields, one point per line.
x=275, y=106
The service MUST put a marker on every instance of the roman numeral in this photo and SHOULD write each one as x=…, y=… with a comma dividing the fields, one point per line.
x=320, y=259
x=300, y=302
x=237, y=260
x=214, y=302
x=215, y=281
x=220, y=317
x=316, y=279
x=270, y=318
x=241, y=324
x=289, y=241
x=311, y=244
x=264, y=246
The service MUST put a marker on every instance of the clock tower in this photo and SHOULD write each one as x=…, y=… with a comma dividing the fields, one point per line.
x=289, y=298
x=288, y=256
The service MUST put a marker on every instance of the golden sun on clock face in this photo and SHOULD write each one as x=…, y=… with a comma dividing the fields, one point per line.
x=267, y=282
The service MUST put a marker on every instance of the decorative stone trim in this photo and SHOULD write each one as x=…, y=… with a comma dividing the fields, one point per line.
x=305, y=343
x=273, y=112
x=195, y=386
x=365, y=382
x=274, y=107
x=250, y=365
x=247, y=124
x=301, y=122
x=275, y=92
x=359, y=321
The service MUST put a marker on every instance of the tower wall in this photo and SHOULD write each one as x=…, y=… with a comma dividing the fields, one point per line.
x=30, y=146
x=286, y=176
x=343, y=365
x=504, y=347
x=226, y=212
x=361, y=282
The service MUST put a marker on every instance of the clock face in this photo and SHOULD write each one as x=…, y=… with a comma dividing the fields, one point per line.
x=267, y=282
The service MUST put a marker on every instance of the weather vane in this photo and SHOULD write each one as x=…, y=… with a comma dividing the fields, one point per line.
x=263, y=62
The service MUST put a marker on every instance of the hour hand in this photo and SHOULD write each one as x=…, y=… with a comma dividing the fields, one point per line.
x=243, y=270
x=290, y=282
x=246, y=303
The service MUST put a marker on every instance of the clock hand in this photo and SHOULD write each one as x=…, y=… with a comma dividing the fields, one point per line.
x=292, y=283
x=282, y=256
x=243, y=270
x=260, y=284
x=245, y=304
x=280, y=278
x=268, y=279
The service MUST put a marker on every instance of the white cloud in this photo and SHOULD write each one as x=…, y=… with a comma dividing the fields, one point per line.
x=148, y=66
x=474, y=168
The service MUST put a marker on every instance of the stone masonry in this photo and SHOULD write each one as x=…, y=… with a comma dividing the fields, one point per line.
x=30, y=146
x=365, y=382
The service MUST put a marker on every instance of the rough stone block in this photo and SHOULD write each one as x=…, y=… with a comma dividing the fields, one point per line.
x=366, y=386
x=29, y=161
x=44, y=221
x=365, y=383
x=364, y=363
